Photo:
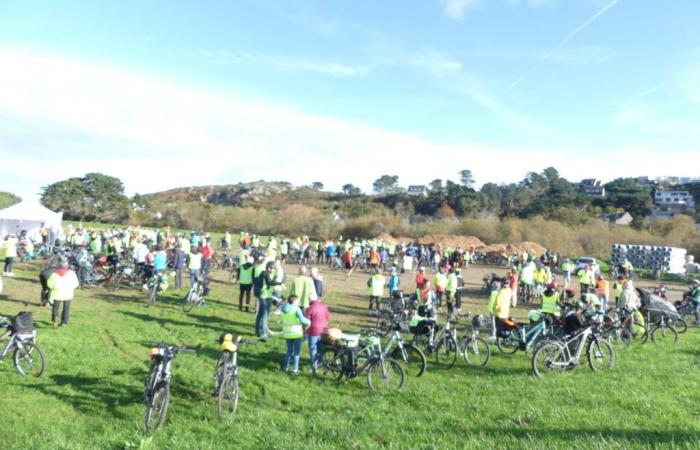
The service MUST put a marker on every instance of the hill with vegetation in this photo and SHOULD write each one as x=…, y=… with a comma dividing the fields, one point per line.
x=7, y=199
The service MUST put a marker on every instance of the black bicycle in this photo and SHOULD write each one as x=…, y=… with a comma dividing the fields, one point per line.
x=27, y=356
x=226, y=388
x=156, y=392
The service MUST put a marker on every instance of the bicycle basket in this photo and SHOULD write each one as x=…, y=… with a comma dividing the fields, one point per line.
x=127, y=270
x=22, y=323
x=479, y=321
x=349, y=340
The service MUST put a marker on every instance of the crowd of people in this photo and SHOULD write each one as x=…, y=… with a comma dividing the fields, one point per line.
x=260, y=274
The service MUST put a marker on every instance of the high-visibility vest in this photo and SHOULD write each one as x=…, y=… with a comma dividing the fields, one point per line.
x=291, y=326
x=451, y=285
x=246, y=276
x=440, y=281
x=549, y=303
x=376, y=285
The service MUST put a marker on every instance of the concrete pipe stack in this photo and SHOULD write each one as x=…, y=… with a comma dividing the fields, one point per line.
x=665, y=259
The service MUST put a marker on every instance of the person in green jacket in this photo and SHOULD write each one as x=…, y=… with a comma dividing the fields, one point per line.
x=496, y=287
x=304, y=288
x=451, y=289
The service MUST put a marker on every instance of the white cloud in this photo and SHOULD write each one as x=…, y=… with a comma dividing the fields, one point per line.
x=455, y=8
x=68, y=117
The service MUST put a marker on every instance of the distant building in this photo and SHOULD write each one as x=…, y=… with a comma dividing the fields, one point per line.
x=417, y=189
x=675, y=199
x=592, y=187
x=671, y=181
x=688, y=180
x=643, y=181
x=662, y=214
x=621, y=218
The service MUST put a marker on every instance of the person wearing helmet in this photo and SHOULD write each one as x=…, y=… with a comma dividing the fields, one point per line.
x=550, y=300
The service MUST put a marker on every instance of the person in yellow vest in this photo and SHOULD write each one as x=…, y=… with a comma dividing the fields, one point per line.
x=61, y=284
x=550, y=300
x=440, y=282
x=491, y=303
x=451, y=289
x=567, y=268
x=10, y=245
x=376, y=285
x=245, y=282
x=501, y=307
x=586, y=279
x=293, y=322
x=617, y=289
x=304, y=288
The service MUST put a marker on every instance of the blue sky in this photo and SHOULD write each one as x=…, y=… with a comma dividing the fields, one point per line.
x=164, y=94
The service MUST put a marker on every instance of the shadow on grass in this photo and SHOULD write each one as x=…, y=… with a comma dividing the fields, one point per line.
x=91, y=395
x=208, y=323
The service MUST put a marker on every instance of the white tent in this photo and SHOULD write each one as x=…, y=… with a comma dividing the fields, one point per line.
x=28, y=216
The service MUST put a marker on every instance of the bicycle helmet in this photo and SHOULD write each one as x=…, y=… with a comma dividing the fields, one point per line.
x=553, y=285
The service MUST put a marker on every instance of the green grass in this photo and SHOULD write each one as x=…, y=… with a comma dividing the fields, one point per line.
x=90, y=395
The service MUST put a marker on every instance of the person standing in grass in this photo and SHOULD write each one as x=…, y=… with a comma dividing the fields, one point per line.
x=61, y=284
x=317, y=313
x=293, y=322
x=10, y=246
x=491, y=304
x=376, y=285
x=266, y=299
x=245, y=283
x=194, y=264
x=501, y=307
x=180, y=262
x=318, y=281
x=303, y=288
x=451, y=289
x=394, y=282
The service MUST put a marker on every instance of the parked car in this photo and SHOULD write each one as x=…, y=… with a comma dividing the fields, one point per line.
x=588, y=260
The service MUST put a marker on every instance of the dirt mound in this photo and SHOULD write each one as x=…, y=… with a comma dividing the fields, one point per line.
x=389, y=238
x=451, y=241
x=515, y=249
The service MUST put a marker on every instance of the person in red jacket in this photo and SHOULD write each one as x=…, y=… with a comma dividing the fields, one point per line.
x=317, y=313
x=421, y=278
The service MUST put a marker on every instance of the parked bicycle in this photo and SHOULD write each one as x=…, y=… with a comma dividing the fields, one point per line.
x=475, y=350
x=565, y=354
x=156, y=392
x=438, y=341
x=196, y=294
x=514, y=336
x=226, y=388
x=357, y=354
x=27, y=356
x=406, y=352
x=156, y=284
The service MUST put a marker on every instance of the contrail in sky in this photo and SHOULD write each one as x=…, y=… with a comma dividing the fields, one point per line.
x=571, y=35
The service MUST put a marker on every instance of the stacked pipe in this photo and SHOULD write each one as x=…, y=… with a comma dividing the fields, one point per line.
x=665, y=259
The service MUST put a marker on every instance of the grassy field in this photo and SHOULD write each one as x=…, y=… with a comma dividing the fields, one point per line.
x=90, y=395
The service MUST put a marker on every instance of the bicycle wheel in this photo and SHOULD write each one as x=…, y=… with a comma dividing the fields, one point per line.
x=507, y=344
x=446, y=352
x=331, y=364
x=274, y=322
x=548, y=358
x=664, y=335
x=157, y=407
x=153, y=291
x=113, y=283
x=689, y=319
x=190, y=300
x=219, y=371
x=227, y=403
x=29, y=360
x=601, y=355
x=626, y=337
x=476, y=352
x=412, y=357
x=679, y=324
x=385, y=375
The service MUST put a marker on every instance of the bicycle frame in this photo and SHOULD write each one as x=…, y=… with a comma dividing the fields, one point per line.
x=575, y=358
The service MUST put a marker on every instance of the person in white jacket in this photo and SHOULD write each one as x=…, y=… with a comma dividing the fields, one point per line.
x=61, y=284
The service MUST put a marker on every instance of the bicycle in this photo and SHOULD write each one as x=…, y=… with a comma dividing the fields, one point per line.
x=156, y=392
x=126, y=277
x=557, y=356
x=475, y=350
x=156, y=284
x=226, y=388
x=383, y=374
x=662, y=330
x=441, y=342
x=195, y=296
x=515, y=336
x=27, y=356
x=400, y=350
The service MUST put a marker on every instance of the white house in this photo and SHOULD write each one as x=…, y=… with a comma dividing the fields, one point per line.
x=417, y=189
x=679, y=199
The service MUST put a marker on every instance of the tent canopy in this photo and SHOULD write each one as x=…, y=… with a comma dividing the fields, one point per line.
x=28, y=216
